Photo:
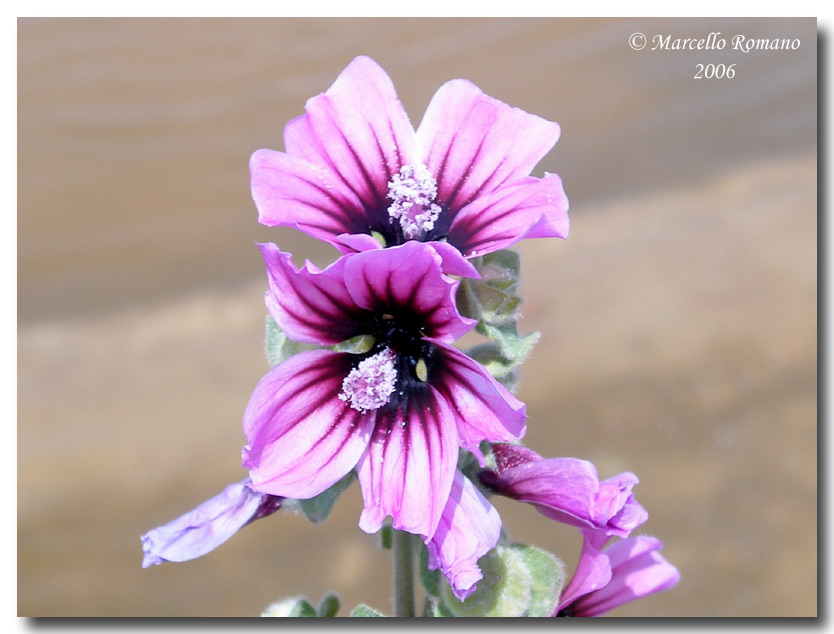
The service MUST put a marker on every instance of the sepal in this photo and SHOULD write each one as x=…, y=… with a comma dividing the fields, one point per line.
x=278, y=346
x=318, y=508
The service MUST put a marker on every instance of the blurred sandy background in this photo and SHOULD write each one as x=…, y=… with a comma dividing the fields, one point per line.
x=678, y=320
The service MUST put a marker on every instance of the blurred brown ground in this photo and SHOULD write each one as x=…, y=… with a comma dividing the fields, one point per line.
x=679, y=320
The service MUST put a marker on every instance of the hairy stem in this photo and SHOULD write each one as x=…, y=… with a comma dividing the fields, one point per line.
x=403, y=550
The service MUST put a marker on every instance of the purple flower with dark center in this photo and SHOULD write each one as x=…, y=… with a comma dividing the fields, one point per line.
x=606, y=578
x=398, y=411
x=566, y=490
x=206, y=527
x=357, y=175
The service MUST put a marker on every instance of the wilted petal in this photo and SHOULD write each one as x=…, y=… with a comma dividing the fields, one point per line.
x=309, y=305
x=469, y=528
x=407, y=280
x=361, y=131
x=408, y=469
x=206, y=527
x=302, y=438
x=484, y=408
x=615, y=506
x=530, y=208
x=474, y=144
x=567, y=490
x=637, y=570
x=291, y=192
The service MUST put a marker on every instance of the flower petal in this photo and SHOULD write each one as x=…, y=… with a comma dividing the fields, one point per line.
x=302, y=438
x=637, y=570
x=567, y=490
x=484, y=409
x=615, y=506
x=206, y=527
x=474, y=144
x=469, y=528
x=592, y=573
x=309, y=305
x=530, y=208
x=361, y=131
x=291, y=192
x=407, y=278
x=408, y=468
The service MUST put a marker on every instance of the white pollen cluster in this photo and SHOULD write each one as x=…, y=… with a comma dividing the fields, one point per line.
x=412, y=193
x=370, y=384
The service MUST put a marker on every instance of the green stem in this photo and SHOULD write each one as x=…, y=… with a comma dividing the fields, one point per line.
x=403, y=551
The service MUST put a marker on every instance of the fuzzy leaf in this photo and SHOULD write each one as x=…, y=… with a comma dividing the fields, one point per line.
x=328, y=606
x=493, y=300
x=519, y=580
x=363, y=610
x=295, y=606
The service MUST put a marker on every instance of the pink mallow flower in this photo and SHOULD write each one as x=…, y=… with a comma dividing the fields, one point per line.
x=566, y=490
x=356, y=174
x=398, y=409
x=606, y=578
x=206, y=527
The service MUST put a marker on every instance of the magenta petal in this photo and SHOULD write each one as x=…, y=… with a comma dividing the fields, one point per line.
x=292, y=192
x=453, y=261
x=531, y=208
x=309, y=305
x=615, y=506
x=637, y=570
x=485, y=409
x=206, y=527
x=592, y=572
x=469, y=528
x=408, y=469
x=474, y=144
x=362, y=131
x=302, y=438
x=567, y=490
x=407, y=279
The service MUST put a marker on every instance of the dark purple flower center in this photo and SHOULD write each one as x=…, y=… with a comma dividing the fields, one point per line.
x=394, y=370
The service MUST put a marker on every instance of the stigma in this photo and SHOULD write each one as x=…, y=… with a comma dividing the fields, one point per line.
x=370, y=384
x=412, y=193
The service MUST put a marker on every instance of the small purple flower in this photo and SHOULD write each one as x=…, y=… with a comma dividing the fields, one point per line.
x=398, y=411
x=357, y=175
x=566, y=490
x=606, y=578
x=206, y=527
x=469, y=528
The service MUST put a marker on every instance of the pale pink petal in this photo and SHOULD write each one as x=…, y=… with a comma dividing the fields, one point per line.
x=474, y=144
x=302, y=438
x=530, y=208
x=485, y=409
x=469, y=528
x=406, y=280
x=292, y=192
x=408, y=468
x=309, y=305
